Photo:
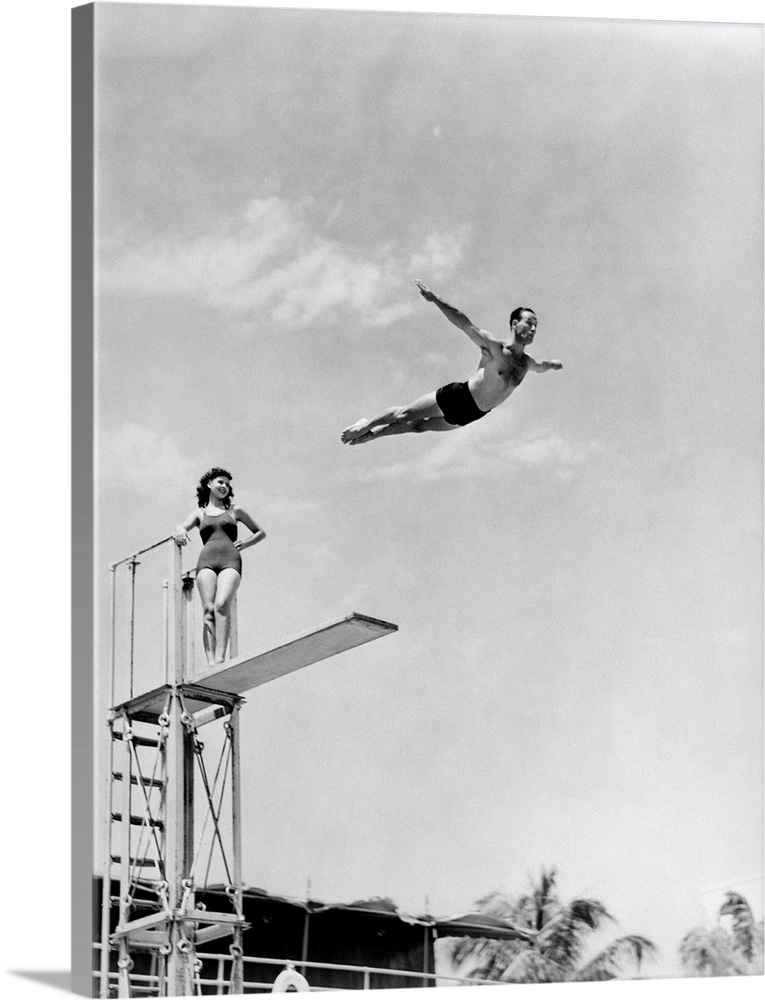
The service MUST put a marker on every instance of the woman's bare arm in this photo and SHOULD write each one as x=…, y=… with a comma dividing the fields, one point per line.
x=258, y=534
x=181, y=532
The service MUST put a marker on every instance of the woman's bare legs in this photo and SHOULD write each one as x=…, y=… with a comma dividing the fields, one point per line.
x=424, y=414
x=228, y=582
x=216, y=592
x=207, y=583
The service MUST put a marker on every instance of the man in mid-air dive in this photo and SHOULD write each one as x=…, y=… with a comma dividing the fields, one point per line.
x=502, y=368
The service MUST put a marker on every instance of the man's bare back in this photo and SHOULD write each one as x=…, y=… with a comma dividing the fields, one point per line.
x=502, y=367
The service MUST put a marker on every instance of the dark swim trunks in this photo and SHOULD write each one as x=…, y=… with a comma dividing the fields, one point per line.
x=218, y=535
x=457, y=404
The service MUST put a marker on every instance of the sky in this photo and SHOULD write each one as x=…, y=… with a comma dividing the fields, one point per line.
x=577, y=578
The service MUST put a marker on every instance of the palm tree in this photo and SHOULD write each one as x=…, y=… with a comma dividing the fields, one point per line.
x=558, y=931
x=724, y=952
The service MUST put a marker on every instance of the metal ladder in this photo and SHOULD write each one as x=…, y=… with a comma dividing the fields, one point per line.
x=153, y=925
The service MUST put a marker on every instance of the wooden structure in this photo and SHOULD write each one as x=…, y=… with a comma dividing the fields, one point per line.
x=156, y=770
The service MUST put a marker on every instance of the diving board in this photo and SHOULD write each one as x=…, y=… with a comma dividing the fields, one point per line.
x=245, y=672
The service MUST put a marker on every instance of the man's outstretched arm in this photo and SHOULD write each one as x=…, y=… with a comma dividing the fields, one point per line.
x=481, y=338
x=544, y=366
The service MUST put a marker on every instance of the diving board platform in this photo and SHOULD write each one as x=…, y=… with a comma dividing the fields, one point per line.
x=246, y=672
x=218, y=689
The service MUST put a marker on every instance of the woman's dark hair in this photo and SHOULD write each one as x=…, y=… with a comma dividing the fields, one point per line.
x=517, y=313
x=203, y=490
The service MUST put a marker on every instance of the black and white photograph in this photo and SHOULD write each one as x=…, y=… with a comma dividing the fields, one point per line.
x=426, y=609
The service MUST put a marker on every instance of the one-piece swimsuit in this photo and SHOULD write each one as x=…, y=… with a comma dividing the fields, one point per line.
x=218, y=537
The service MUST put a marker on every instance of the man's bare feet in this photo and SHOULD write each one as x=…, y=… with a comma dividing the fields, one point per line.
x=362, y=438
x=350, y=434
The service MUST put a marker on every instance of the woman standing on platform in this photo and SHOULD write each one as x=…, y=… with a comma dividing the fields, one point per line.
x=219, y=568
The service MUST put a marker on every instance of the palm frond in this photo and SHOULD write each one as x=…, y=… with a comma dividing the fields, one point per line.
x=562, y=938
x=589, y=913
x=561, y=941
x=630, y=950
x=526, y=913
x=532, y=967
x=738, y=908
x=498, y=904
x=709, y=953
x=557, y=938
x=471, y=949
x=490, y=956
x=464, y=948
x=544, y=898
x=494, y=964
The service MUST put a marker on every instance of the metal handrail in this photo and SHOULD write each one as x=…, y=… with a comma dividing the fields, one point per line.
x=152, y=980
x=140, y=552
x=366, y=970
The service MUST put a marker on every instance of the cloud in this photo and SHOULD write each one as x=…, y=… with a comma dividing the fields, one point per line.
x=138, y=457
x=271, y=262
x=554, y=451
x=486, y=450
x=440, y=255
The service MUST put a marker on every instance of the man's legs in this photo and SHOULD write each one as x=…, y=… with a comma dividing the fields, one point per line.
x=416, y=427
x=399, y=420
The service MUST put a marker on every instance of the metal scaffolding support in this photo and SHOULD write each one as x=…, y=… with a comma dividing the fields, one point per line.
x=158, y=760
x=157, y=774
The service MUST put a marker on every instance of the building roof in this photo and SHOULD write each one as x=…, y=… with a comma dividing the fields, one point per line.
x=469, y=924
